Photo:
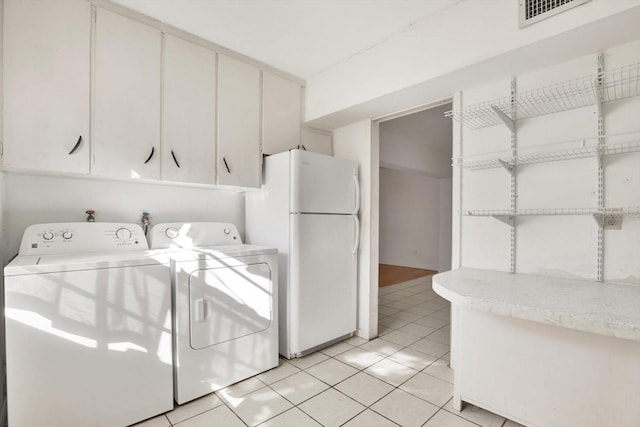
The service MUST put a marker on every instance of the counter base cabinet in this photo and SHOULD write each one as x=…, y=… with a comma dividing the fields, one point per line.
x=127, y=97
x=544, y=375
x=46, y=73
x=239, y=155
x=189, y=113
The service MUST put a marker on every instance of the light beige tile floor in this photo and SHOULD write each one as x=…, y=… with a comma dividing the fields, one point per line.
x=401, y=378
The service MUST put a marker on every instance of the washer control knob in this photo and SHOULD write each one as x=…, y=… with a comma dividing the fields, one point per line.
x=123, y=233
x=47, y=235
x=67, y=235
x=171, y=233
x=227, y=231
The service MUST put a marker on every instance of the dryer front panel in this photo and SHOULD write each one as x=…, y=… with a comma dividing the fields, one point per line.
x=227, y=303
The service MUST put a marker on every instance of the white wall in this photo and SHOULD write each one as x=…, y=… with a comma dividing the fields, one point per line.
x=409, y=219
x=31, y=199
x=420, y=142
x=564, y=246
x=415, y=155
x=469, y=44
x=2, y=244
x=444, y=229
x=317, y=140
x=3, y=228
x=359, y=142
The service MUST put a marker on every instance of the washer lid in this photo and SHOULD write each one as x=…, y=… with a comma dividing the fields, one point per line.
x=34, y=264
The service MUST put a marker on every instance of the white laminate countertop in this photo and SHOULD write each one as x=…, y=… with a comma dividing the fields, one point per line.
x=604, y=308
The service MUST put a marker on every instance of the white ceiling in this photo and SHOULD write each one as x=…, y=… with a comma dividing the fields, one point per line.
x=301, y=37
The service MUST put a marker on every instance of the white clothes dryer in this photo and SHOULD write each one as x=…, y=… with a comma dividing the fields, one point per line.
x=225, y=314
x=88, y=329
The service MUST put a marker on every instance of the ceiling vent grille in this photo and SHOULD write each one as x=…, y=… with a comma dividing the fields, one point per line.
x=532, y=11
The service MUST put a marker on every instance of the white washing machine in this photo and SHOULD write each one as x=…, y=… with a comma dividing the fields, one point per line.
x=225, y=316
x=88, y=327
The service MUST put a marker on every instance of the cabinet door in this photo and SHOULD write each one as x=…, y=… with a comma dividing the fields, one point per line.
x=239, y=156
x=189, y=113
x=46, y=85
x=281, y=118
x=127, y=98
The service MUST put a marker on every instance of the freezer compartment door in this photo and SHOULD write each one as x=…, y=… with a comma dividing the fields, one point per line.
x=323, y=184
x=322, y=288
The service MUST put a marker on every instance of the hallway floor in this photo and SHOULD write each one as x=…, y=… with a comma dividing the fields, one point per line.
x=395, y=274
x=401, y=378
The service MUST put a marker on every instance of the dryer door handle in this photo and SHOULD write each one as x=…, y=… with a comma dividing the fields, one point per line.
x=203, y=310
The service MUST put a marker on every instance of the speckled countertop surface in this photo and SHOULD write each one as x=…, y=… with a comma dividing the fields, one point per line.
x=611, y=309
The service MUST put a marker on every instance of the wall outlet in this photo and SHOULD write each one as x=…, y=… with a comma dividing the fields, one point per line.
x=612, y=222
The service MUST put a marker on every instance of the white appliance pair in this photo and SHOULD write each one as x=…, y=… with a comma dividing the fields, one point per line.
x=308, y=208
x=92, y=336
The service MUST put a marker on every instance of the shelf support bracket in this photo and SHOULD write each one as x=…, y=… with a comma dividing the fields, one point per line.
x=599, y=218
x=508, y=122
x=509, y=167
x=507, y=219
x=606, y=221
x=513, y=197
x=600, y=156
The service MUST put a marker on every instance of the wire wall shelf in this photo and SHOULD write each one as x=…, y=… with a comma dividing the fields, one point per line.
x=576, y=149
x=626, y=211
x=613, y=85
x=532, y=212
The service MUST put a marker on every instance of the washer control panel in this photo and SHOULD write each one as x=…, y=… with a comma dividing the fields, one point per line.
x=61, y=238
x=191, y=235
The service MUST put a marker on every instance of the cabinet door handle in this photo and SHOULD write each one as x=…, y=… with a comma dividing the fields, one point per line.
x=226, y=165
x=174, y=159
x=153, y=150
x=75, y=147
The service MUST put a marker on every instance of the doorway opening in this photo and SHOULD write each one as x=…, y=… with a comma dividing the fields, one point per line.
x=415, y=195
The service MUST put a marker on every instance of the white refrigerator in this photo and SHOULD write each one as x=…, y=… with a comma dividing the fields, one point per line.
x=307, y=208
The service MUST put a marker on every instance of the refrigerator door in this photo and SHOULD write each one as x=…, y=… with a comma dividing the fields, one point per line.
x=323, y=184
x=322, y=287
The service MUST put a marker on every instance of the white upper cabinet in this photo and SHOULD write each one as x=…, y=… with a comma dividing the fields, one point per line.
x=281, y=113
x=127, y=97
x=189, y=113
x=239, y=157
x=46, y=84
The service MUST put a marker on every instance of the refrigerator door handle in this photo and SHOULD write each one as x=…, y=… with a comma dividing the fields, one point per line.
x=357, y=239
x=357, y=184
